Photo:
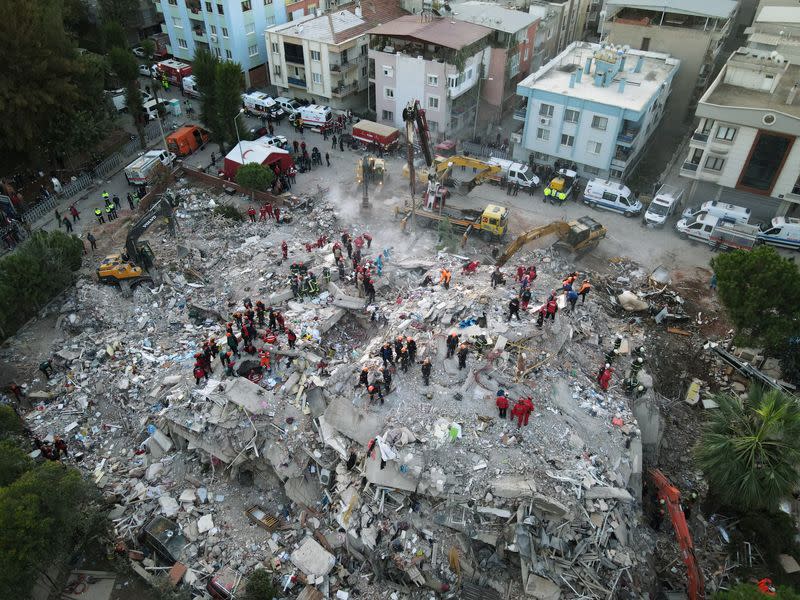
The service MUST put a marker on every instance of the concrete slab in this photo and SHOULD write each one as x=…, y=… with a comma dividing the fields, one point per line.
x=600, y=491
x=512, y=486
x=312, y=559
x=542, y=588
x=355, y=423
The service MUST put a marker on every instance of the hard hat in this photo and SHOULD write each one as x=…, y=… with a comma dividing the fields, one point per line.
x=607, y=365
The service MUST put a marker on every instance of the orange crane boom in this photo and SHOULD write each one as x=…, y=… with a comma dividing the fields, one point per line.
x=672, y=498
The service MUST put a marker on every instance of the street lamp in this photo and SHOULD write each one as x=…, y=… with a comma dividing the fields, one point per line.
x=236, y=126
x=478, y=105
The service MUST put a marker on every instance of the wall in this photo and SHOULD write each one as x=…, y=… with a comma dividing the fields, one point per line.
x=689, y=45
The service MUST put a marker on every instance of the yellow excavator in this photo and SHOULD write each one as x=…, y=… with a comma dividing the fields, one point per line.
x=577, y=236
x=136, y=263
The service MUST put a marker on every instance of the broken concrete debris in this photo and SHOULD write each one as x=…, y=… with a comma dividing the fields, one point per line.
x=294, y=471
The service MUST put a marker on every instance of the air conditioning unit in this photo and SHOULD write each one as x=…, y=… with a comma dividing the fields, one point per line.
x=545, y=120
x=213, y=38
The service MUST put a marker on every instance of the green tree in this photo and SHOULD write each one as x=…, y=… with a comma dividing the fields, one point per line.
x=447, y=238
x=113, y=35
x=260, y=587
x=13, y=463
x=255, y=177
x=220, y=85
x=148, y=46
x=10, y=425
x=759, y=290
x=750, y=449
x=124, y=12
x=747, y=591
x=204, y=69
x=38, y=80
x=48, y=514
x=126, y=68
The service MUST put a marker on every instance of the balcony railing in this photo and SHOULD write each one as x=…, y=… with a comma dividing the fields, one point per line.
x=345, y=89
x=690, y=166
x=698, y=136
x=296, y=81
x=352, y=61
x=627, y=136
x=519, y=114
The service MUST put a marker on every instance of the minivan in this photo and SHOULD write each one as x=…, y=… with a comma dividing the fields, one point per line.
x=783, y=232
x=723, y=210
x=610, y=195
x=289, y=106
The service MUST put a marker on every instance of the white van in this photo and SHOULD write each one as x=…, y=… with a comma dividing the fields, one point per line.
x=142, y=168
x=663, y=205
x=699, y=228
x=611, y=195
x=516, y=172
x=189, y=85
x=152, y=108
x=315, y=116
x=783, y=232
x=289, y=106
x=737, y=214
x=260, y=104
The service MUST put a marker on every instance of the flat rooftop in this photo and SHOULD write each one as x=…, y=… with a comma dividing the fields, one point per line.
x=639, y=87
x=492, y=15
x=714, y=9
x=725, y=94
x=445, y=32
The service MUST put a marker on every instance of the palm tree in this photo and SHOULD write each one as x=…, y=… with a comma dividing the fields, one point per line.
x=750, y=449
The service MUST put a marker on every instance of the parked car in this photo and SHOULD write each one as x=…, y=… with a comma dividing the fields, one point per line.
x=139, y=51
x=145, y=71
x=275, y=140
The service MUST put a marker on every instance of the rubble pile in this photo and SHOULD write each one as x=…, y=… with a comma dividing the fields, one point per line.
x=296, y=472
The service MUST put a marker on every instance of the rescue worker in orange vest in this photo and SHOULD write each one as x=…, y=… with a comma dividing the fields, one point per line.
x=584, y=289
x=444, y=278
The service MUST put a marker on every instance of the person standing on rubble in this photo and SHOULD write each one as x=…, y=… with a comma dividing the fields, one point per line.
x=452, y=344
x=426, y=371
x=387, y=378
x=260, y=310
x=513, y=308
x=586, y=286
x=281, y=321
x=251, y=213
x=502, y=405
x=528, y=402
x=363, y=378
x=230, y=366
x=604, y=377
x=386, y=354
x=273, y=320
x=497, y=277
x=291, y=338
x=552, y=308
x=233, y=343
x=373, y=389
x=444, y=278
x=542, y=314
x=340, y=267
x=411, y=345
x=462, y=356
x=519, y=411
x=348, y=244
x=199, y=373
x=403, y=358
x=572, y=298
x=265, y=360
x=369, y=290
x=284, y=250
x=525, y=298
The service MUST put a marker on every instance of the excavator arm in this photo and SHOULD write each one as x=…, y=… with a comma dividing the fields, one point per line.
x=162, y=208
x=672, y=499
x=560, y=228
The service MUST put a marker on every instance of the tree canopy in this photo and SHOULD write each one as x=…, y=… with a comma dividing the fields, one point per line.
x=220, y=85
x=748, y=591
x=254, y=176
x=750, y=449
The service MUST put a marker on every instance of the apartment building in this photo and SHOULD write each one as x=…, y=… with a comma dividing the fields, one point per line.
x=745, y=148
x=595, y=106
x=692, y=31
x=230, y=29
x=439, y=61
x=511, y=51
x=324, y=58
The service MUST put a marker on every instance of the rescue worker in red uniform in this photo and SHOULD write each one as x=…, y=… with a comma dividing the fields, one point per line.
x=284, y=249
x=519, y=411
x=502, y=406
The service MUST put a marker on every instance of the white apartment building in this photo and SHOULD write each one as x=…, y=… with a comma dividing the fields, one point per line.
x=324, y=58
x=230, y=29
x=439, y=61
x=595, y=106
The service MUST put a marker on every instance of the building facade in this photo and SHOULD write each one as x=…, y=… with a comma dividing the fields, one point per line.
x=324, y=58
x=745, y=148
x=594, y=106
x=439, y=61
x=230, y=29
x=511, y=52
x=694, y=32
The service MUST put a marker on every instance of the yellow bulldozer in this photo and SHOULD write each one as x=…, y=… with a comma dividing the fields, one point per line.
x=579, y=236
x=136, y=264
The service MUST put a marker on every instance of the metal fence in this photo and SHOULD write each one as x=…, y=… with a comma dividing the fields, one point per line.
x=86, y=180
x=483, y=150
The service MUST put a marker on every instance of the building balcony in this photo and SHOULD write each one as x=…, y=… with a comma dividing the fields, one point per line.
x=296, y=81
x=345, y=89
x=620, y=163
x=699, y=136
x=627, y=137
x=199, y=34
x=340, y=67
x=520, y=113
x=689, y=169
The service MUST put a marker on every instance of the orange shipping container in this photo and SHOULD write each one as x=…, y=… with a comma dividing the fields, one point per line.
x=187, y=140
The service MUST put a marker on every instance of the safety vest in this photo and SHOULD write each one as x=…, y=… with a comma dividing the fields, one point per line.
x=562, y=196
x=109, y=209
x=547, y=191
x=105, y=195
x=98, y=212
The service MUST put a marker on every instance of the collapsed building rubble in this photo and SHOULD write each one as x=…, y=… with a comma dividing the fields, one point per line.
x=294, y=471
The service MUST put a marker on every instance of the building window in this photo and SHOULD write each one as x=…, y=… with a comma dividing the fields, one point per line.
x=616, y=173
x=526, y=53
x=176, y=22
x=594, y=147
x=433, y=126
x=388, y=92
x=274, y=47
x=600, y=123
x=433, y=102
x=316, y=77
x=591, y=170
x=571, y=116
x=173, y=2
x=546, y=110
x=543, y=134
x=217, y=52
x=276, y=69
x=388, y=71
x=514, y=65
x=214, y=29
x=208, y=7
x=220, y=9
x=224, y=32
x=541, y=156
x=182, y=43
x=228, y=54
x=250, y=28
x=645, y=44
x=315, y=55
x=363, y=71
x=387, y=115
x=567, y=140
x=714, y=163
x=364, y=49
x=252, y=50
x=267, y=2
x=726, y=133
x=246, y=5
x=433, y=80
